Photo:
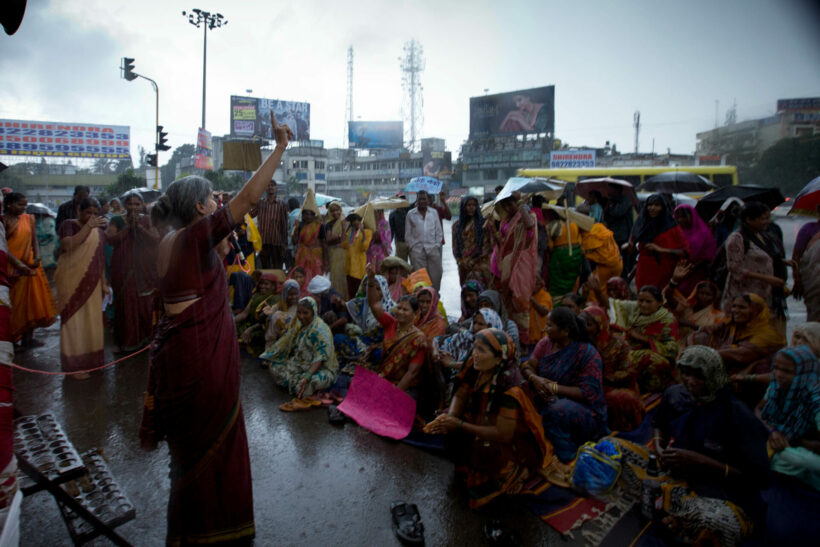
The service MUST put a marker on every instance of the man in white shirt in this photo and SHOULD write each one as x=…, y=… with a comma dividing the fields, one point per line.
x=423, y=235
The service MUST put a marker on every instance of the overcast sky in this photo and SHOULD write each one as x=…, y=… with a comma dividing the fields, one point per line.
x=670, y=60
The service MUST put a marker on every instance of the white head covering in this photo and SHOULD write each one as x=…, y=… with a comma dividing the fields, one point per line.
x=318, y=285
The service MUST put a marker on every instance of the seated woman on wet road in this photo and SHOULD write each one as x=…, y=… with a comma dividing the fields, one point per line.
x=652, y=333
x=791, y=411
x=428, y=320
x=713, y=450
x=700, y=309
x=747, y=342
x=281, y=313
x=494, y=431
x=624, y=407
x=469, y=301
x=251, y=322
x=404, y=345
x=451, y=352
x=303, y=359
x=564, y=371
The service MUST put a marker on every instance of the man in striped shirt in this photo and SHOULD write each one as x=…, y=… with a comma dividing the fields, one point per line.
x=272, y=220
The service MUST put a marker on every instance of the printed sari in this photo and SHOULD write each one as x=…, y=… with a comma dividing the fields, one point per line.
x=80, y=279
x=652, y=360
x=32, y=303
x=516, y=260
x=399, y=353
x=432, y=324
x=381, y=249
x=309, y=251
x=471, y=247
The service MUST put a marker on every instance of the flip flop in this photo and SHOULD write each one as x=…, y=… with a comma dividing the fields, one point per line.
x=407, y=523
x=298, y=404
x=500, y=535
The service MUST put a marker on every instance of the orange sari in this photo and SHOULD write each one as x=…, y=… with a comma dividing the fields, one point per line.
x=309, y=254
x=32, y=304
x=79, y=280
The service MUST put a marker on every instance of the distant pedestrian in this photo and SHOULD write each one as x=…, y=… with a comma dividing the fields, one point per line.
x=71, y=209
x=272, y=219
x=397, y=227
x=443, y=211
x=423, y=235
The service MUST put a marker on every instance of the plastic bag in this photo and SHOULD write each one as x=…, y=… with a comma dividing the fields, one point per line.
x=597, y=467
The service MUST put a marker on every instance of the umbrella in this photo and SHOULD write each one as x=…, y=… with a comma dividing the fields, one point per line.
x=604, y=187
x=550, y=189
x=808, y=199
x=583, y=221
x=709, y=204
x=389, y=203
x=324, y=199
x=40, y=209
x=424, y=184
x=149, y=195
x=366, y=211
x=677, y=182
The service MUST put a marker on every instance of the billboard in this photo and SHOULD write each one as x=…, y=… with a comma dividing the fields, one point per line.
x=63, y=139
x=375, y=134
x=525, y=111
x=250, y=117
x=572, y=158
x=436, y=164
x=791, y=105
x=204, y=158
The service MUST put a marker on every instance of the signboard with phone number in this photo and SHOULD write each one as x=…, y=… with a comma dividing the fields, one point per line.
x=76, y=140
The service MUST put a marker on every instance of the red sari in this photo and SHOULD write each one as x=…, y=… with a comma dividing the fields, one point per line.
x=192, y=399
x=133, y=279
x=656, y=268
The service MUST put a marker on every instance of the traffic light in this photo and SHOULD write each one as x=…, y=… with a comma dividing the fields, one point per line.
x=128, y=69
x=162, y=139
x=151, y=160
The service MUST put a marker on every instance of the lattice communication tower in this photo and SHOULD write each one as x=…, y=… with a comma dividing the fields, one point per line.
x=412, y=107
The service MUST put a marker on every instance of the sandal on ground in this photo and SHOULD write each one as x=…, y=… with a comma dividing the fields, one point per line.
x=500, y=535
x=335, y=416
x=407, y=523
x=296, y=404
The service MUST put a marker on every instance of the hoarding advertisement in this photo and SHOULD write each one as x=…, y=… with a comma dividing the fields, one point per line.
x=572, y=158
x=525, y=111
x=373, y=135
x=250, y=117
x=436, y=164
x=62, y=139
x=204, y=151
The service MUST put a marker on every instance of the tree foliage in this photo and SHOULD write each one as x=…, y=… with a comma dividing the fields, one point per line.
x=125, y=181
x=223, y=181
x=789, y=165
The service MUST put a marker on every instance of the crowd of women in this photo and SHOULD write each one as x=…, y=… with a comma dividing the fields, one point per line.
x=557, y=343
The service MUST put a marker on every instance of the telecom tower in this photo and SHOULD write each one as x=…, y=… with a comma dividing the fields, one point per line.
x=349, y=97
x=412, y=107
x=637, y=125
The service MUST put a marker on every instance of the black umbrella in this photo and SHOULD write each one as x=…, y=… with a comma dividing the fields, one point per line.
x=709, y=204
x=40, y=209
x=676, y=182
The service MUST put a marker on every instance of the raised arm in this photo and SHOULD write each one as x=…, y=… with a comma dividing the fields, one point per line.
x=249, y=195
x=373, y=299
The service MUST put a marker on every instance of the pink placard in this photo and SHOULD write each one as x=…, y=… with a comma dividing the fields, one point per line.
x=377, y=405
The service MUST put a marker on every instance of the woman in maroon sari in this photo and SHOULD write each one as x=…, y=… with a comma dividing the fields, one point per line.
x=192, y=399
x=133, y=274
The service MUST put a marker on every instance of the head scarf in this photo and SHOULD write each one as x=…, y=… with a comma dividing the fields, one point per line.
x=647, y=228
x=270, y=277
x=793, y=411
x=602, y=320
x=495, y=300
x=432, y=312
x=359, y=309
x=306, y=344
x=286, y=287
x=710, y=363
x=460, y=345
x=620, y=286
x=702, y=245
x=758, y=331
x=474, y=286
x=811, y=332
x=319, y=284
x=693, y=296
x=478, y=226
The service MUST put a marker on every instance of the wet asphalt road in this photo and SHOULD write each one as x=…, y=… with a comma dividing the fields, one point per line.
x=314, y=483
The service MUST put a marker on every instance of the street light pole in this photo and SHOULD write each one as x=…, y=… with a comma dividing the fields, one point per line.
x=209, y=21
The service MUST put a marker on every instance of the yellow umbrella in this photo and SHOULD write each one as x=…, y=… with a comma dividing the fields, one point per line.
x=368, y=214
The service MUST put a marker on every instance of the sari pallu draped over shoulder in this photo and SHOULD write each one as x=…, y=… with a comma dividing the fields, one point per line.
x=32, y=303
x=517, y=258
x=193, y=403
x=336, y=256
x=79, y=281
x=309, y=252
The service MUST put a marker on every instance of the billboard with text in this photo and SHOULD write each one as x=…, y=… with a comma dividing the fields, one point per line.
x=525, y=111
x=436, y=164
x=371, y=135
x=64, y=139
x=250, y=117
x=204, y=150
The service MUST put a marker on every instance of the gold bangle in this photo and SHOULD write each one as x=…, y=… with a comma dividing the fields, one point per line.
x=555, y=388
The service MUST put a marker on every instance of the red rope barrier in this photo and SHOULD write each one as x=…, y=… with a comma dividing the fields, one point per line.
x=49, y=373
